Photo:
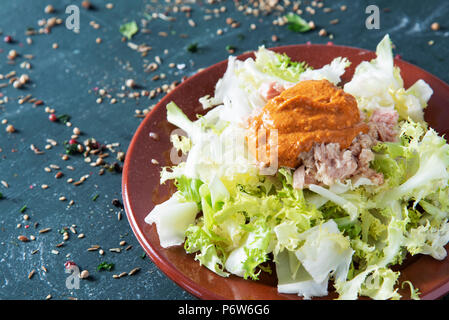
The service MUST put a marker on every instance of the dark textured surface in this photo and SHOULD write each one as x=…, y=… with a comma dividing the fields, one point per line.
x=66, y=78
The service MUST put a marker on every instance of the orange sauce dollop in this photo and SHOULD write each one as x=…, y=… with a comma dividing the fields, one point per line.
x=312, y=111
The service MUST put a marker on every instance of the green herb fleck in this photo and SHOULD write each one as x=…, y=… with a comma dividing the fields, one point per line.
x=143, y=255
x=95, y=197
x=1, y=195
x=23, y=209
x=230, y=48
x=193, y=47
x=296, y=23
x=105, y=266
x=71, y=148
x=129, y=29
x=62, y=231
x=64, y=118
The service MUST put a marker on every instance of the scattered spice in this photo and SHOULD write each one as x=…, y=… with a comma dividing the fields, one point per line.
x=49, y=9
x=86, y=4
x=69, y=264
x=23, y=238
x=10, y=128
x=117, y=203
x=84, y=274
x=31, y=274
x=45, y=230
x=52, y=117
x=435, y=26
x=134, y=271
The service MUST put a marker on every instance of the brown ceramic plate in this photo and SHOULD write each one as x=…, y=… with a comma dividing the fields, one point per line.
x=141, y=189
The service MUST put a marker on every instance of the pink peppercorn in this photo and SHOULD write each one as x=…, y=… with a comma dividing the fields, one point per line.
x=52, y=117
x=69, y=264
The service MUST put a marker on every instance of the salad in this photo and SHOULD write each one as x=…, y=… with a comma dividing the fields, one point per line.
x=330, y=214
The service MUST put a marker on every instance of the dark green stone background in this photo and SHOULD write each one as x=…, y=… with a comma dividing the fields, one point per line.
x=63, y=79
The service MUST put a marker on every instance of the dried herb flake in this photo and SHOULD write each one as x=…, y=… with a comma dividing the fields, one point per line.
x=296, y=23
x=105, y=266
x=129, y=29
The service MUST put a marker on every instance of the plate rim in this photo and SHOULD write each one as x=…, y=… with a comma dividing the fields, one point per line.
x=165, y=265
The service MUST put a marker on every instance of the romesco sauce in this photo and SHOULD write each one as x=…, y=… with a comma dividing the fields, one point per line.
x=312, y=111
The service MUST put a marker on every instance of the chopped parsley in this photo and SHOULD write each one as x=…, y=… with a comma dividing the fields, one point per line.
x=193, y=47
x=296, y=23
x=64, y=118
x=1, y=195
x=105, y=266
x=230, y=48
x=95, y=197
x=71, y=149
x=129, y=29
x=23, y=209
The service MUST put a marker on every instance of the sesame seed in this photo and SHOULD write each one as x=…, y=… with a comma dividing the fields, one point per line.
x=134, y=271
x=31, y=274
x=45, y=230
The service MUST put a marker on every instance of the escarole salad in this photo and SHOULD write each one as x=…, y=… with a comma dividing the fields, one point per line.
x=357, y=180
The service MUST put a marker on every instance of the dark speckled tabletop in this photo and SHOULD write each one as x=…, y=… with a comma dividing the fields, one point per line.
x=69, y=78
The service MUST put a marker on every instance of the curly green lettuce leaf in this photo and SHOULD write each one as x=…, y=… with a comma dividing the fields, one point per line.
x=279, y=65
x=378, y=83
x=208, y=253
x=430, y=153
x=244, y=260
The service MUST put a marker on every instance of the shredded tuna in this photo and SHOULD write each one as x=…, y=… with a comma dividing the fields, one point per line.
x=332, y=163
x=382, y=124
x=326, y=163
